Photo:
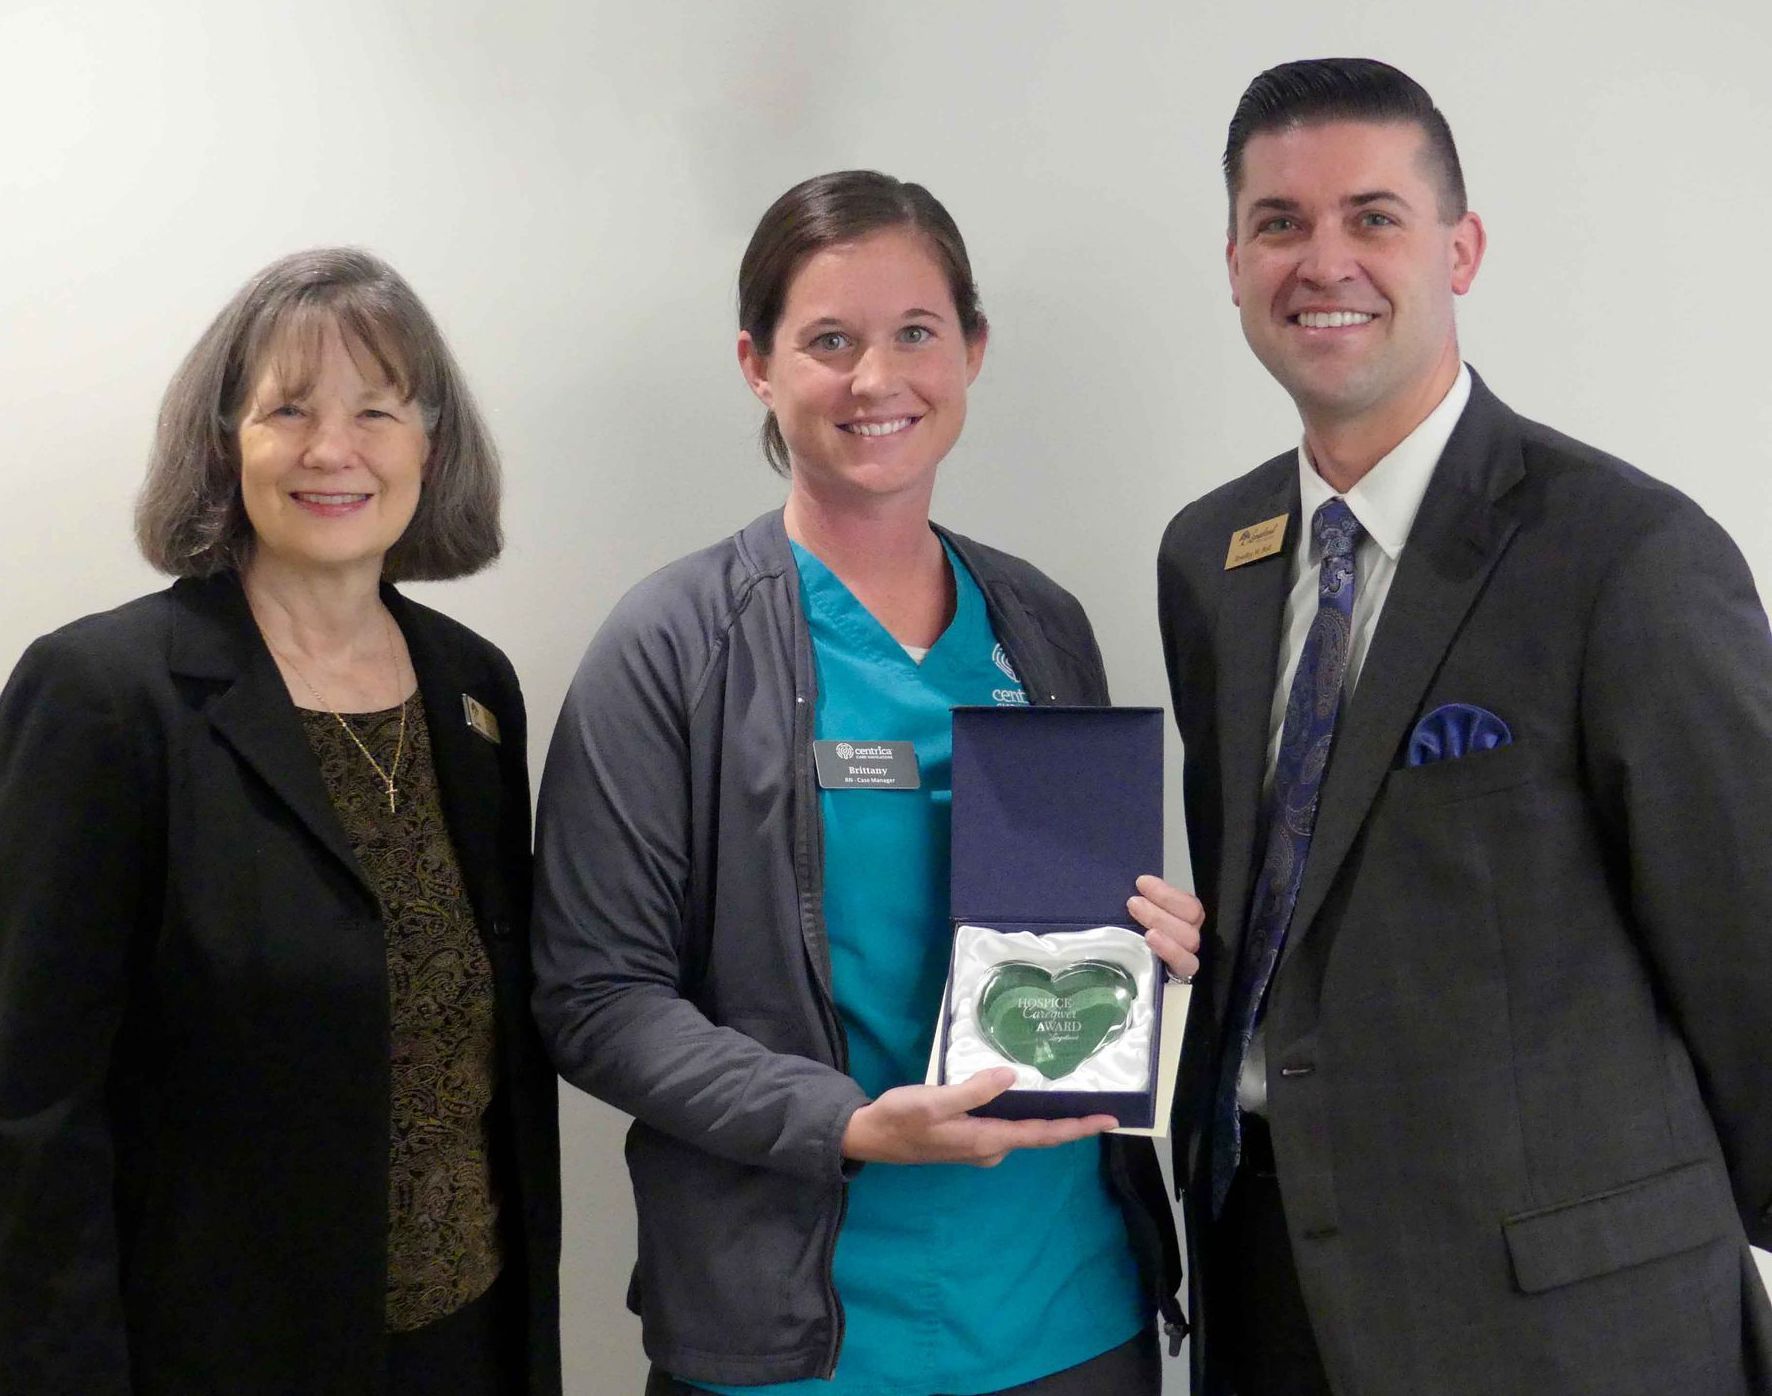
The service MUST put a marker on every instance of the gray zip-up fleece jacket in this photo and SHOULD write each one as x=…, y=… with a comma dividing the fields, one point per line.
x=682, y=971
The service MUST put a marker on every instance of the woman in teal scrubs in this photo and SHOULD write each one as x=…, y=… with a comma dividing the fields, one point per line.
x=749, y=957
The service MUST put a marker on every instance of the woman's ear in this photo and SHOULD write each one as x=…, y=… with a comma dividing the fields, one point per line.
x=975, y=348
x=754, y=364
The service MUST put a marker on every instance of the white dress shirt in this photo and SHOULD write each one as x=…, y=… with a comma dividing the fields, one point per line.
x=1385, y=501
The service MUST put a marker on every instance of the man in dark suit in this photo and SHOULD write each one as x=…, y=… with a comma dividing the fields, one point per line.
x=1478, y=729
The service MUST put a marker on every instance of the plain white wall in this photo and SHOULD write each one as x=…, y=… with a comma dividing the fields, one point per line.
x=570, y=186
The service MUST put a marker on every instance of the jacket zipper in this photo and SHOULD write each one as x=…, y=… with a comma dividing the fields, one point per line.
x=812, y=865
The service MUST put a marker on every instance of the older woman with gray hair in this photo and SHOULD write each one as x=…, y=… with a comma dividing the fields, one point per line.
x=272, y=1114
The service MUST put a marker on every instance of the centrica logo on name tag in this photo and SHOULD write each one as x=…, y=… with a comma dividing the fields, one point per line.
x=866, y=765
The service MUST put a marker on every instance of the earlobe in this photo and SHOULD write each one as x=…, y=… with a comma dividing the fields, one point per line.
x=1230, y=266
x=755, y=366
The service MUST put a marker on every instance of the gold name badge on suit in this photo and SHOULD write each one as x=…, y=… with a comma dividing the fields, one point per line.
x=480, y=717
x=1256, y=541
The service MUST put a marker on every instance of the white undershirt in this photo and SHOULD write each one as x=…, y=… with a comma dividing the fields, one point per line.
x=1385, y=501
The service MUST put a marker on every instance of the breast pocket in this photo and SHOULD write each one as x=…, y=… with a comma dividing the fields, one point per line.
x=1420, y=944
x=1467, y=777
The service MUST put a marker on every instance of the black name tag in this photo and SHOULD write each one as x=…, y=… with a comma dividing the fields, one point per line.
x=866, y=765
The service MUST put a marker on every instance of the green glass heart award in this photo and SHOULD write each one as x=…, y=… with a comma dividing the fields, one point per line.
x=1054, y=1022
x=1056, y=811
x=1070, y=1010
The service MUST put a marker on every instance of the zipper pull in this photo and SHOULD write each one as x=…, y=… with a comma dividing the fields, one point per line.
x=1175, y=1326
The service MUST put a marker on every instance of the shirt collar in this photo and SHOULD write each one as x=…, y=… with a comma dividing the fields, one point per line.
x=1389, y=495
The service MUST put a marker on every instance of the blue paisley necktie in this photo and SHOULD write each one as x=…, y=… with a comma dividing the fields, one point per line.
x=1305, y=739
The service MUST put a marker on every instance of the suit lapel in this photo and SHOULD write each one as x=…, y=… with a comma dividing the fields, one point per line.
x=217, y=640
x=1457, y=538
x=466, y=763
x=1251, y=608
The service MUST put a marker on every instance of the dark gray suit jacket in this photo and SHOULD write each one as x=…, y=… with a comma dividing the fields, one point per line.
x=1520, y=1038
x=194, y=1053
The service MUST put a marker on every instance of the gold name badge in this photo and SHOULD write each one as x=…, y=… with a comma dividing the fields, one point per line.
x=480, y=717
x=1257, y=541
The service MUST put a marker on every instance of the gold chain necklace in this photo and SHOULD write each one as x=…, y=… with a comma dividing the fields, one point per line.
x=387, y=776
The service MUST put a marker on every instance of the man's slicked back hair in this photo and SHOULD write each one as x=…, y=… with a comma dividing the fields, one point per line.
x=1314, y=91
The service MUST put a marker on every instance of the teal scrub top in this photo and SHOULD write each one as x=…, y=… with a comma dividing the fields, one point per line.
x=953, y=1278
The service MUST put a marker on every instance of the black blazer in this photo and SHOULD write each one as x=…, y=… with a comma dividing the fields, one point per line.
x=194, y=1055
x=1520, y=1036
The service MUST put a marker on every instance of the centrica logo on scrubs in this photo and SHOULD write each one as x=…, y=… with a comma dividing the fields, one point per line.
x=1001, y=659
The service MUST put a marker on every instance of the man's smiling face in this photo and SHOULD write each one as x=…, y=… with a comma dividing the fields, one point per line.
x=1344, y=270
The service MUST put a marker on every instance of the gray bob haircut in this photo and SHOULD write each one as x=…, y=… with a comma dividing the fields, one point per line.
x=190, y=521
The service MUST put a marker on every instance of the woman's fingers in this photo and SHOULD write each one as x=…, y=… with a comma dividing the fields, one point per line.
x=996, y=1138
x=1044, y=1134
x=980, y=1088
x=1172, y=920
x=1180, y=961
x=930, y=1124
x=1159, y=906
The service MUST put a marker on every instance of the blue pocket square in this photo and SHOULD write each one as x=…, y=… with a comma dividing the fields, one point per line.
x=1453, y=730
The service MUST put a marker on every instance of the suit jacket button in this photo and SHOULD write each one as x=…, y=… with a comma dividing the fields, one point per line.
x=501, y=928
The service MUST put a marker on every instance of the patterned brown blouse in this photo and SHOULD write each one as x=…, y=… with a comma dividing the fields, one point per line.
x=443, y=1235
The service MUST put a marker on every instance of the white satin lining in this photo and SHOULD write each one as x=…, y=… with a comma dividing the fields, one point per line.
x=1123, y=1065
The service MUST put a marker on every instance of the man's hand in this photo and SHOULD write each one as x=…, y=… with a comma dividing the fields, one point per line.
x=1171, y=919
x=929, y=1124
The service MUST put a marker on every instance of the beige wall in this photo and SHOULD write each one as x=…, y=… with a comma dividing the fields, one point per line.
x=570, y=186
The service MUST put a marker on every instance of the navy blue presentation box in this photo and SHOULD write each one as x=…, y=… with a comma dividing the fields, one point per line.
x=1056, y=811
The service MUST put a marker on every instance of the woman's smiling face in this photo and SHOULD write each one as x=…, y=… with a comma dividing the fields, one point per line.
x=329, y=476
x=868, y=372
